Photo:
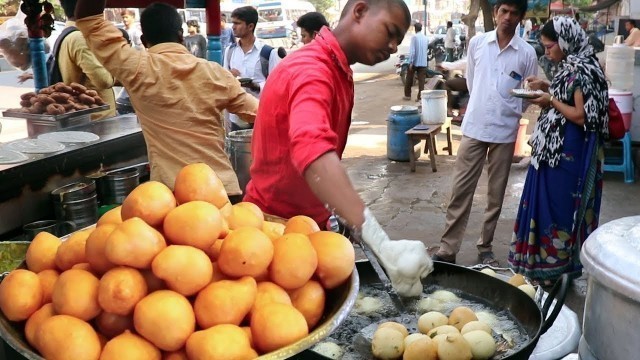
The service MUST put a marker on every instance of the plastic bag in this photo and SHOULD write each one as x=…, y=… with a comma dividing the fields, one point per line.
x=14, y=42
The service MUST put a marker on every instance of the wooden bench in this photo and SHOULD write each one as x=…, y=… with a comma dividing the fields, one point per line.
x=419, y=133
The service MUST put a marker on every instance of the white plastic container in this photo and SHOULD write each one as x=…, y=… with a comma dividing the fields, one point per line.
x=624, y=100
x=434, y=106
x=619, y=64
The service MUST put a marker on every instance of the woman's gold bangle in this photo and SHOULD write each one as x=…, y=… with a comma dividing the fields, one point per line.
x=551, y=101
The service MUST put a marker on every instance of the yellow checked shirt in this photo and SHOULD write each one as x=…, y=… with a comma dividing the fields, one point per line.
x=78, y=64
x=178, y=99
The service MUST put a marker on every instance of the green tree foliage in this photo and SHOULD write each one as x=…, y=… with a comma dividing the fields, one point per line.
x=321, y=5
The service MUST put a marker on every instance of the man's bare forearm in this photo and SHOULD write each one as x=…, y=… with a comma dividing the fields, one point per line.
x=86, y=8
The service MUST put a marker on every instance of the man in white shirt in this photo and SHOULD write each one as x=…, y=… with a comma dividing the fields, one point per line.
x=634, y=34
x=450, y=41
x=497, y=62
x=247, y=60
x=130, y=26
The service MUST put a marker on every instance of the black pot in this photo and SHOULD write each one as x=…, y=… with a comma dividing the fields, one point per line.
x=502, y=295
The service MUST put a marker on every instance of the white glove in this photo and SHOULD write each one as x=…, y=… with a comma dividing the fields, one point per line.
x=406, y=261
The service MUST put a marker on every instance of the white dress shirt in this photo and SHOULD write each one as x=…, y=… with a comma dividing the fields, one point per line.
x=450, y=39
x=493, y=114
x=250, y=66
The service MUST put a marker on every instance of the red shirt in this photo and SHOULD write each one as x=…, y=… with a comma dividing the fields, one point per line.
x=304, y=112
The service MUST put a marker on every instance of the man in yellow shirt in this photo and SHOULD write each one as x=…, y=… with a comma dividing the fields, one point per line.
x=178, y=97
x=78, y=64
x=634, y=34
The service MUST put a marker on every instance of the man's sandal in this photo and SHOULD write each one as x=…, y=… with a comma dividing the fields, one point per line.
x=488, y=258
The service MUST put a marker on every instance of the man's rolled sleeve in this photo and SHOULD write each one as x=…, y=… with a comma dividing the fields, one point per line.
x=110, y=48
x=310, y=132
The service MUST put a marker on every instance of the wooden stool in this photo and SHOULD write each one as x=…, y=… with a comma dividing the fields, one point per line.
x=428, y=134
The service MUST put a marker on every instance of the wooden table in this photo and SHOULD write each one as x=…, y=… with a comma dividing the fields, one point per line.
x=428, y=134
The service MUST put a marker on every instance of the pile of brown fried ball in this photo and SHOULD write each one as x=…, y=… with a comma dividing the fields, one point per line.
x=60, y=99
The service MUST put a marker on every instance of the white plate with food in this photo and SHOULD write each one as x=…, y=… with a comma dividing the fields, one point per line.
x=75, y=137
x=35, y=146
x=526, y=93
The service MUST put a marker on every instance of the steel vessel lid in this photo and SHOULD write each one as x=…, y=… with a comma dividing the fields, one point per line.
x=611, y=255
x=402, y=109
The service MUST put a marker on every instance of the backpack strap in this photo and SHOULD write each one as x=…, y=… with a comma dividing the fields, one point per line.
x=228, y=53
x=265, y=53
x=53, y=70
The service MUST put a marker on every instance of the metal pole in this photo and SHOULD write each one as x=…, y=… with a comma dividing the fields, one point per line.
x=426, y=22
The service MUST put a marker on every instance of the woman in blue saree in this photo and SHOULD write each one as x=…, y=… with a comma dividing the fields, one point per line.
x=560, y=203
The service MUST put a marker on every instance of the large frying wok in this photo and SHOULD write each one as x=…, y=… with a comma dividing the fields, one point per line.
x=497, y=294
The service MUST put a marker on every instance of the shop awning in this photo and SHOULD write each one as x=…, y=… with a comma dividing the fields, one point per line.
x=599, y=6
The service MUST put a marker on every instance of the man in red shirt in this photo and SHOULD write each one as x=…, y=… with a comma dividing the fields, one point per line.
x=301, y=131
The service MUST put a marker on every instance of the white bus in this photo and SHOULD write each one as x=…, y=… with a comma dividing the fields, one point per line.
x=277, y=19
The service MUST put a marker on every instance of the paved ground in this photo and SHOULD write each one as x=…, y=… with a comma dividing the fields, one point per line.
x=413, y=205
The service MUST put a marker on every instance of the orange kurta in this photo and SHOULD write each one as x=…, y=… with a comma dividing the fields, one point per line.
x=178, y=99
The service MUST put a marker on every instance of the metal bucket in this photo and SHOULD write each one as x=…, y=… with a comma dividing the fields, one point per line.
x=238, y=147
x=114, y=187
x=76, y=202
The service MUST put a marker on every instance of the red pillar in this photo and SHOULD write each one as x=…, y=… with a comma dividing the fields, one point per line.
x=214, y=48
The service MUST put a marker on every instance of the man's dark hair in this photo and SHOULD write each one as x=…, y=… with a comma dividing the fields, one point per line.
x=549, y=31
x=449, y=24
x=418, y=27
x=69, y=7
x=248, y=14
x=521, y=5
x=161, y=23
x=312, y=22
x=375, y=3
x=632, y=22
x=194, y=23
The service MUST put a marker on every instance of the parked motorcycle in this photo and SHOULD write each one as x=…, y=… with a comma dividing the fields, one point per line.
x=402, y=68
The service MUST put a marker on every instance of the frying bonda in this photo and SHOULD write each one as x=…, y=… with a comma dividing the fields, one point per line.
x=185, y=269
x=220, y=342
x=76, y=294
x=20, y=294
x=130, y=346
x=112, y=325
x=48, y=280
x=72, y=251
x=196, y=223
x=165, y=318
x=134, y=243
x=34, y=322
x=120, y=290
x=225, y=302
x=95, y=248
x=41, y=254
x=63, y=337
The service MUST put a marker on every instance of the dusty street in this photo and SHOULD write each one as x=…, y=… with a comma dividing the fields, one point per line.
x=413, y=205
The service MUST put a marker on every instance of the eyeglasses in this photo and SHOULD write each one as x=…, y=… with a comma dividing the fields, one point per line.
x=550, y=46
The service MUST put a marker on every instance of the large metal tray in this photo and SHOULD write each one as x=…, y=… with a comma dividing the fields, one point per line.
x=339, y=302
x=53, y=118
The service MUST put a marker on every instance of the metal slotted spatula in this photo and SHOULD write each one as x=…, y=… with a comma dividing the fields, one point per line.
x=386, y=282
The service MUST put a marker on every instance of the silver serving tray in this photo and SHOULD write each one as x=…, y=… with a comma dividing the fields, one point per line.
x=53, y=118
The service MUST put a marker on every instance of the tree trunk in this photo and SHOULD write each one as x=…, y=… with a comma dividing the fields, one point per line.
x=470, y=19
x=487, y=14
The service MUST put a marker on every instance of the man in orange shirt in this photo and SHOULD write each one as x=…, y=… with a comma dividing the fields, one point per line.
x=178, y=97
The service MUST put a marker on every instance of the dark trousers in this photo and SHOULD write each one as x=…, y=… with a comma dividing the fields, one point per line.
x=449, y=54
x=422, y=74
x=456, y=84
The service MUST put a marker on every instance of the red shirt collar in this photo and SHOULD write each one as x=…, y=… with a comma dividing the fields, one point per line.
x=330, y=45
